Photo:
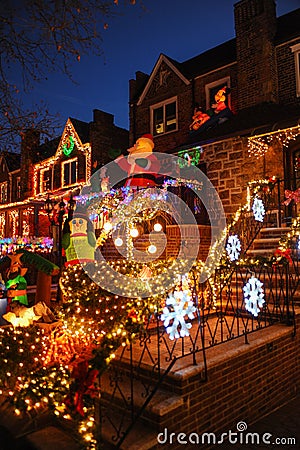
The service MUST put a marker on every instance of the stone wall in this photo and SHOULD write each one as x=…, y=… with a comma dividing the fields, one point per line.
x=230, y=168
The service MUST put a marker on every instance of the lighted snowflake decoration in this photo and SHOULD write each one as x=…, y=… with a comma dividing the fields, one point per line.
x=179, y=306
x=258, y=209
x=233, y=247
x=253, y=296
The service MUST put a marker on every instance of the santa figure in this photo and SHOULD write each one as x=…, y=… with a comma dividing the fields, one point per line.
x=141, y=164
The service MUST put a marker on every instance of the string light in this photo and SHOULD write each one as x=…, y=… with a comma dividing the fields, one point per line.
x=259, y=145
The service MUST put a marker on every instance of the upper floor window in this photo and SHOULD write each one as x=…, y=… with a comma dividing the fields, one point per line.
x=296, y=50
x=164, y=117
x=3, y=192
x=69, y=172
x=211, y=89
x=45, y=180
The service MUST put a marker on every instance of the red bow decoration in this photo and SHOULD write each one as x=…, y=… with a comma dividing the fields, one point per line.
x=291, y=195
x=84, y=385
x=284, y=253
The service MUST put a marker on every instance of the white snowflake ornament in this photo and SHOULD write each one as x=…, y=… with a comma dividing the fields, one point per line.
x=233, y=247
x=253, y=296
x=258, y=209
x=178, y=307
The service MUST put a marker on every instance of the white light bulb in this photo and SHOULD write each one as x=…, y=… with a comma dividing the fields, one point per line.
x=157, y=227
x=152, y=249
x=107, y=226
x=118, y=242
x=134, y=232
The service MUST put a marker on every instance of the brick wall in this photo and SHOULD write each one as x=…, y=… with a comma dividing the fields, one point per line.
x=245, y=383
x=287, y=74
x=255, y=26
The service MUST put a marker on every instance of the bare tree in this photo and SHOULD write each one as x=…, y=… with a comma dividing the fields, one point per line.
x=38, y=37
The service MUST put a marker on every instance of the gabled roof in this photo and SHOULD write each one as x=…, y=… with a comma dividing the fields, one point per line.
x=173, y=66
x=13, y=160
x=223, y=54
x=82, y=129
x=49, y=148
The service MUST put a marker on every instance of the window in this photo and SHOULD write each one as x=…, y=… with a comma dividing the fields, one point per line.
x=45, y=184
x=69, y=172
x=3, y=192
x=164, y=117
x=296, y=50
x=212, y=88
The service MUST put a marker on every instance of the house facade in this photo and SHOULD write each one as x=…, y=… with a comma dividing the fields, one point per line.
x=55, y=171
x=255, y=132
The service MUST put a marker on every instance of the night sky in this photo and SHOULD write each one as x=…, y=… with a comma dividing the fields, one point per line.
x=133, y=41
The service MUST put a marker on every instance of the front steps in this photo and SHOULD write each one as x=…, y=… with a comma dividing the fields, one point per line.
x=266, y=245
x=267, y=242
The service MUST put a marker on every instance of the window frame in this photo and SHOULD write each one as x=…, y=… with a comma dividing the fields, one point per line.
x=296, y=50
x=163, y=105
x=209, y=86
x=42, y=179
x=4, y=192
x=69, y=162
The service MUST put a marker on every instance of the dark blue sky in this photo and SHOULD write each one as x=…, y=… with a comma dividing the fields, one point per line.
x=133, y=41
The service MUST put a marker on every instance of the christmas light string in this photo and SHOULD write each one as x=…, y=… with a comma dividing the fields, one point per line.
x=259, y=145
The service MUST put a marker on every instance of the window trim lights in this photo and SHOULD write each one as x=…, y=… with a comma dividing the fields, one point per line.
x=42, y=179
x=163, y=104
x=69, y=162
x=296, y=50
x=3, y=192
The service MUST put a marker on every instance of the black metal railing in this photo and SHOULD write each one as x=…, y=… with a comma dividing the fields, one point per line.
x=224, y=311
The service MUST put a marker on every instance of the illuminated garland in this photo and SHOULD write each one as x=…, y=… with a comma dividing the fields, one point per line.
x=259, y=145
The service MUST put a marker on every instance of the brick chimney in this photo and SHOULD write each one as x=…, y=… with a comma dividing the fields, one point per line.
x=255, y=26
x=29, y=146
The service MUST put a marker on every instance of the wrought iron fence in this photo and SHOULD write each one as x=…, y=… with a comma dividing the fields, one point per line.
x=239, y=299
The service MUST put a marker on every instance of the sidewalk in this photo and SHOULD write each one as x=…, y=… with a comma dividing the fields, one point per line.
x=282, y=424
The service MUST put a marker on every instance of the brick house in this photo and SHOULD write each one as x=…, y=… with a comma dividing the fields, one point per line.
x=54, y=169
x=260, y=69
